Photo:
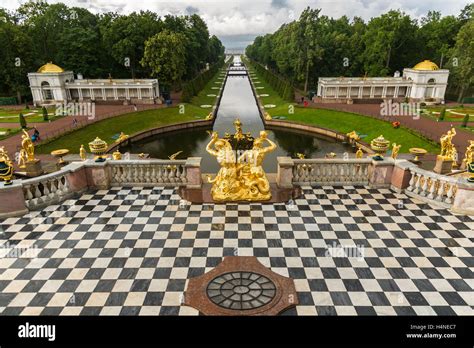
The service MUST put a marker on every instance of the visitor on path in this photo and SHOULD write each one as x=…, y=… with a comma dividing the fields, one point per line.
x=74, y=122
x=36, y=135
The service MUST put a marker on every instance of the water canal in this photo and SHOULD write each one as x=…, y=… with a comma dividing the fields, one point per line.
x=237, y=101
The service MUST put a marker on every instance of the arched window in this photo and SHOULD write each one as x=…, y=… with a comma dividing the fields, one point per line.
x=46, y=90
x=431, y=81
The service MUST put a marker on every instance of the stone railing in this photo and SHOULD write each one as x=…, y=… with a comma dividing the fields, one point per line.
x=331, y=171
x=46, y=190
x=450, y=192
x=77, y=177
x=148, y=172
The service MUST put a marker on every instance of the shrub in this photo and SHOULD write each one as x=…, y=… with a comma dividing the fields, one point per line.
x=465, y=120
x=45, y=114
x=442, y=114
x=22, y=121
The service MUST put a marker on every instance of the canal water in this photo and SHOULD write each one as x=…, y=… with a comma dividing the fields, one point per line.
x=237, y=101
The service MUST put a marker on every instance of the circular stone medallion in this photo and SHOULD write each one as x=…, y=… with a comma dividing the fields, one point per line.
x=241, y=290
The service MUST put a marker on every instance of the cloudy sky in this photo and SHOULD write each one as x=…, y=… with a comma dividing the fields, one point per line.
x=237, y=22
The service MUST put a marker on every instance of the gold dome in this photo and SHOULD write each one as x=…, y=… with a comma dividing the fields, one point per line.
x=426, y=65
x=50, y=68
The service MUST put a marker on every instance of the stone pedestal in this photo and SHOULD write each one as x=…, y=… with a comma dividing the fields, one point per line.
x=285, y=172
x=33, y=168
x=12, y=202
x=193, y=172
x=380, y=172
x=443, y=165
x=401, y=175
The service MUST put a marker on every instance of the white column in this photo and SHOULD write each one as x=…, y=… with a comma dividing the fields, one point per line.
x=127, y=92
x=139, y=93
x=360, y=91
x=115, y=93
x=372, y=90
x=104, y=95
x=92, y=94
x=151, y=93
x=79, y=90
x=384, y=91
x=337, y=91
x=348, y=92
x=395, y=95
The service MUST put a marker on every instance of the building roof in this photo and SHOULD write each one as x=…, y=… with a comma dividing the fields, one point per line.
x=426, y=65
x=50, y=68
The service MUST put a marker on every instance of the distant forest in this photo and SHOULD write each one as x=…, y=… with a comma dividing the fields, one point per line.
x=316, y=45
x=137, y=45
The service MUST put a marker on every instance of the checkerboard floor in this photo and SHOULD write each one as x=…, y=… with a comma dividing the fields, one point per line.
x=130, y=251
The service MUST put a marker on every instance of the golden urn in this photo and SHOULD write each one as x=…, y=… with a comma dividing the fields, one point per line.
x=6, y=167
x=380, y=145
x=98, y=147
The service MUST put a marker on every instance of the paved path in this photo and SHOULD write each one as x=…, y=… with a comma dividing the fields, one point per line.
x=429, y=128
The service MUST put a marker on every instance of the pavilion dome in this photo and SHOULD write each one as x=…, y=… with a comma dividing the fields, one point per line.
x=426, y=65
x=50, y=68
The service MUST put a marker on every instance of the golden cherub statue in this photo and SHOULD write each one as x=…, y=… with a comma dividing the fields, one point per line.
x=353, y=135
x=210, y=116
x=82, y=153
x=22, y=159
x=395, y=150
x=359, y=153
x=300, y=155
x=448, y=151
x=28, y=146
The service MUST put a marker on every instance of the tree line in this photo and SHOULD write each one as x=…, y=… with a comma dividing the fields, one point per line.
x=316, y=45
x=138, y=45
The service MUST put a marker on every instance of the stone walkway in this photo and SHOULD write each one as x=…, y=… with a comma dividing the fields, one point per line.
x=131, y=251
x=425, y=126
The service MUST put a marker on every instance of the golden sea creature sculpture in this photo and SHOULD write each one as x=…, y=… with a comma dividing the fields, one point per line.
x=242, y=178
x=173, y=156
x=448, y=151
x=83, y=153
x=395, y=150
x=121, y=137
x=28, y=146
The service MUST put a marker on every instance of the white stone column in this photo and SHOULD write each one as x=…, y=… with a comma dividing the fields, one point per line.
x=395, y=95
x=372, y=90
x=337, y=91
x=79, y=91
x=115, y=93
x=384, y=91
x=348, y=92
x=127, y=92
x=151, y=93
x=104, y=95
x=360, y=91
x=92, y=94
x=139, y=93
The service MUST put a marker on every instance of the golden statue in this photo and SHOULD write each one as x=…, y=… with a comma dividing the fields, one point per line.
x=238, y=127
x=28, y=146
x=173, y=156
x=22, y=159
x=252, y=173
x=210, y=116
x=469, y=156
x=268, y=117
x=359, y=153
x=121, y=137
x=241, y=179
x=448, y=151
x=6, y=167
x=395, y=150
x=116, y=155
x=353, y=135
x=300, y=155
x=82, y=153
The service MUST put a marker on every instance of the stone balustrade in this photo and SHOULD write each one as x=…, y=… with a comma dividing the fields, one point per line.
x=331, y=171
x=148, y=172
x=77, y=177
x=449, y=192
x=46, y=190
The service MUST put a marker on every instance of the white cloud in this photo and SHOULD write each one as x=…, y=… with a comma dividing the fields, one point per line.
x=255, y=17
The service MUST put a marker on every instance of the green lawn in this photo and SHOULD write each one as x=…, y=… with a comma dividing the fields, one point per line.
x=129, y=124
x=449, y=117
x=342, y=121
x=11, y=115
x=273, y=97
x=202, y=98
x=8, y=132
